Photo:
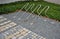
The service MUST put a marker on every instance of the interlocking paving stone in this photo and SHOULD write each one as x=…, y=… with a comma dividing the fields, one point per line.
x=2, y=28
x=45, y=27
x=17, y=32
x=2, y=19
x=5, y=25
x=32, y=36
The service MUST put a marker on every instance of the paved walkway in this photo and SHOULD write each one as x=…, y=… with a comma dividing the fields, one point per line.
x=10, y=30
x=42, y=26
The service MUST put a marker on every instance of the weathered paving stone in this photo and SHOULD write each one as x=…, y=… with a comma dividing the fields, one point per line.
x=6, y=25
x=2, y=19
x=43, y=26
x=33, y=36
x=17, y=32
x=10, y=33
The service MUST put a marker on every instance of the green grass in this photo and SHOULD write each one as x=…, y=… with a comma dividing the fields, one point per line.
x=53, y=12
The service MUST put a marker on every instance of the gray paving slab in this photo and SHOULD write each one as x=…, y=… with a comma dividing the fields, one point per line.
x=45, y=27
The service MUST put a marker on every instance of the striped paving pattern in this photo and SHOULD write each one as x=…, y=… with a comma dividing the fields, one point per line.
x=15, y=31
x=5, y=25
x=45, y=27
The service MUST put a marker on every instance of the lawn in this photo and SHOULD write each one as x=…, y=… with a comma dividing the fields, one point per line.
x=53, y=12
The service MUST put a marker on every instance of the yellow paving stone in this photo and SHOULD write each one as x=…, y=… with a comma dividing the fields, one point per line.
x=41, y=37
x=23, y=33
x=5, y=23
x=3, y=19
x=17, y=33
x=34, y=35
x=4, y=27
